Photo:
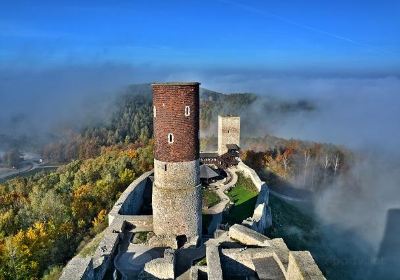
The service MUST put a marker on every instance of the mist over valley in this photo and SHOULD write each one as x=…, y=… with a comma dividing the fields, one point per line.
x=316, y=86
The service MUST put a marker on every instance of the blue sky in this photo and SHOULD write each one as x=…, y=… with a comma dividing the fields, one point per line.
x=276, y=35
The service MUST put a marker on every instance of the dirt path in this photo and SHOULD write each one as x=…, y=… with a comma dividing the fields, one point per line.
x=216, y=210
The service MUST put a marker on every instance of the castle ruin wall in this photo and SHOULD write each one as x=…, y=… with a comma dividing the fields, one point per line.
x=131, y=200
x=177, y=174
x=214, y=267
x=262, y=217
x=184, y=218
x=228, y=132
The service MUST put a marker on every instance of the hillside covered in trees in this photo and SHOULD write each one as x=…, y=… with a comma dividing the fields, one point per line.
x=293, y=163
x=45, y=219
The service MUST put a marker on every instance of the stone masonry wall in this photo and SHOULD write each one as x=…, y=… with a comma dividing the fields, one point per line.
x=78, y=268
x=175, y=175
x=177, y=211
x=236, y=262
x=131, y=200
x=214, y=267
x=262, y=218
x=303, y=267
x=239, y=263
x=177, y=198
x=250, y=173
x=96, y=266
x=228, y=132
x=169, y=101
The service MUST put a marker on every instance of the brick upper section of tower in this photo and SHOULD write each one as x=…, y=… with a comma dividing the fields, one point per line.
x=176, y=118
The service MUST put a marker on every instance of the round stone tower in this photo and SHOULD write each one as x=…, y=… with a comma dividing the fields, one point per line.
x=177, y=189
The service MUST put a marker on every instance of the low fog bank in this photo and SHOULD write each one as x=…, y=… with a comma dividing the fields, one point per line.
x=356, y=112
x=353, y=218
x=36, y=105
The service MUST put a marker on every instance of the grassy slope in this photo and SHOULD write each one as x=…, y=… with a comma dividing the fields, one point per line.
x=244, y=197
x=210, y=198
x=298, y=229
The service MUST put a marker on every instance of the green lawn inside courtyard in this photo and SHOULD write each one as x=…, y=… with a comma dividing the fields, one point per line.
x=210, y=198
x=244, y=196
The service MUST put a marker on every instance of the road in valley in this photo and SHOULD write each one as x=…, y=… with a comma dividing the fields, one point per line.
x=29, y=165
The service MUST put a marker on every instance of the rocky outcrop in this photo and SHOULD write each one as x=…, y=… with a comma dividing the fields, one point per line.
x=303, y=267
x=161, y=268
x=214, y=268
x=246, y=260
x=247, y=236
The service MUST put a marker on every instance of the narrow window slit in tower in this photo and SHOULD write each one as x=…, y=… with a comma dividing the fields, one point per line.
x=170, y=138
x=187, y=111
x=165, y=167
x=154, y=111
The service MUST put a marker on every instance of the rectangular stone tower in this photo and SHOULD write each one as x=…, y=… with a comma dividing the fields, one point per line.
x=176, y=197
x=228, y=132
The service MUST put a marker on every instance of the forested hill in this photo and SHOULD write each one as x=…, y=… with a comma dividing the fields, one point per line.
x=131, y=120
x=132, y=117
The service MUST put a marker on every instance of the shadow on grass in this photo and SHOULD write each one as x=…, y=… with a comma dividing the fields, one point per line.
x=206, y=220
x=237, y=213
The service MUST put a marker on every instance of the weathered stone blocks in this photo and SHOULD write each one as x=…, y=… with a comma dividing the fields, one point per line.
x=175, y=175
x=303, y=267
x=78, y=268
x=161, y=268
x=177, y=211
x=214, y=266
x=247, y=236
